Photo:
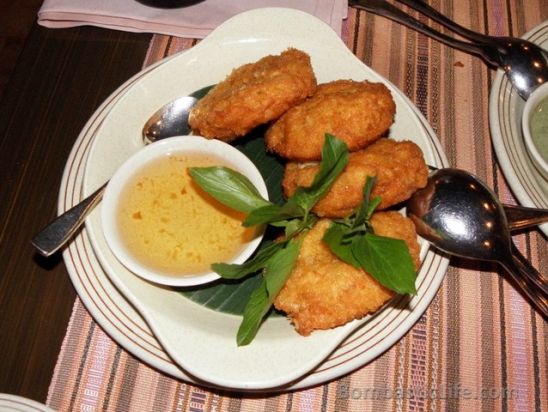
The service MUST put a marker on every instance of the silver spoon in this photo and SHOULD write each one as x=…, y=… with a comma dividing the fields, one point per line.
x=519, y=217
x=461, y=216
x=525, y=63
x=170, y=120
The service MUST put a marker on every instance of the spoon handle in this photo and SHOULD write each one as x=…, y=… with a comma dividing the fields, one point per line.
x=529, y=271
x=383, y=8
x=430, y=12
x=59, y=231
x=523, y=217
x=530, y=281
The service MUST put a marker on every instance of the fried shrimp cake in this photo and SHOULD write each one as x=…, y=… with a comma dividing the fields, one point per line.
x=254, y=94
x=399, y=167
x=323, y=292
x=356, y=112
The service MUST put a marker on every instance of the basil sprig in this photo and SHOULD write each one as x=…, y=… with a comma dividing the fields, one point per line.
x=334, y=160
x=351, y=239
x=276, y=260
x=386, y=259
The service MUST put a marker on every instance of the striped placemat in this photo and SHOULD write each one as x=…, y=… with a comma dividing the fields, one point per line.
x=479, y=346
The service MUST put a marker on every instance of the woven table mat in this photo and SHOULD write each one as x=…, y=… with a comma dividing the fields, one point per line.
x=479, y=346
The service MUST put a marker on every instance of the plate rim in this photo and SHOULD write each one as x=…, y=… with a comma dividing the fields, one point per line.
x=12, y=402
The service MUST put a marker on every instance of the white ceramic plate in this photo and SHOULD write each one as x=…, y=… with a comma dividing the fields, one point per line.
x=13, y=403
x=199, y=340
x=505, y=109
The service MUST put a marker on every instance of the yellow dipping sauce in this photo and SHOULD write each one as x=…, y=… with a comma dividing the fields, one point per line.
x=171, y=225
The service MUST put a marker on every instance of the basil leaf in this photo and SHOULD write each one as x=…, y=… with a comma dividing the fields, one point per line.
x=229, y=187
x=275, y=273
x=333, y=237
x=372, y=206
x=235, y=271
x=387, y=260
x=273, y=213
x=364, y=213
x=334, y=160
x=292, y=227
x=278, y=268
x=295, y=226
x=257, y=307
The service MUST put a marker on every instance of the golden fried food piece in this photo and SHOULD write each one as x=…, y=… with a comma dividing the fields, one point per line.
x=356, y=112
x=323, y=292
x=399, y=167
x=254, y=94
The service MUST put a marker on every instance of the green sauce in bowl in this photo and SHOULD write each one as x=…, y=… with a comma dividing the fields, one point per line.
x=539, y=128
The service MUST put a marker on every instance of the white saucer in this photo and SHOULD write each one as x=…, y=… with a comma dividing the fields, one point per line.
x=505, y=109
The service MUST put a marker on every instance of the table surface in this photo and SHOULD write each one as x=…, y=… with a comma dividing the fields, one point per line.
x=59, y=80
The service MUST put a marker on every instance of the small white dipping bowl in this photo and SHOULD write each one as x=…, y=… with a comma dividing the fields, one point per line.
x=158, y=150
x=531, y=105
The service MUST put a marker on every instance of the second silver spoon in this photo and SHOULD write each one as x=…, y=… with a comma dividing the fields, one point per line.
x=458, y=214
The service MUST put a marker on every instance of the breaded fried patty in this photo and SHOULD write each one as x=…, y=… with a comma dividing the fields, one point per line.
x=356, y=112
x=323, y=292
x=254, y=94
x=399, y=167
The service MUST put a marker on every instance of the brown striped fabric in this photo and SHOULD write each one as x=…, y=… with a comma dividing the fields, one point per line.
x=478, y=347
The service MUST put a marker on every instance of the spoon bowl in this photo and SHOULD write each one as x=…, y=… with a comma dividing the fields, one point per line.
x=460, y=215
x=169, y=120
x=525, y=63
